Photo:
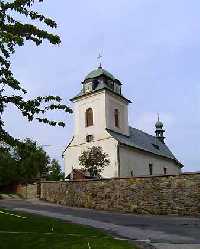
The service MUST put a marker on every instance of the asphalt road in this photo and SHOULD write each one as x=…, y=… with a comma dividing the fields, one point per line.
x=161, y=231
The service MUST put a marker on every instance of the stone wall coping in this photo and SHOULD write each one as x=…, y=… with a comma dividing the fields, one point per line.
x=27, y=184
x=124, y=178
x=191, y=173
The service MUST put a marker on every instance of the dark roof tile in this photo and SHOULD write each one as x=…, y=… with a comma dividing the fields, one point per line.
x=143, y=141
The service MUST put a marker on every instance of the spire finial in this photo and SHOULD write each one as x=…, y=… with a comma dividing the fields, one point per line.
x=99, y=59
x=158, y=117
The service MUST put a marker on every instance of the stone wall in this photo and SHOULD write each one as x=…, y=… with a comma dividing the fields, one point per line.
x=28, y=191
x=174, y=195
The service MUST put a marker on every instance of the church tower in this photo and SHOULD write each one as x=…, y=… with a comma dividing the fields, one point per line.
x=100, y=106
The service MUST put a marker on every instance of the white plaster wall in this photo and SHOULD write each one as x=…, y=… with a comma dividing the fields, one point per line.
x=97, y=103
x=103, y=106
x=108, y=144
x=113, y=102
x=131, y=159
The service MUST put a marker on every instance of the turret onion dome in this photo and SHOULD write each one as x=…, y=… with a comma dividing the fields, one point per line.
x=98, y=72
x=159, y=124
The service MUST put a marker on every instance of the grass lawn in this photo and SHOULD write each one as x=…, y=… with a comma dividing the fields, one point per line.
x=25, y=231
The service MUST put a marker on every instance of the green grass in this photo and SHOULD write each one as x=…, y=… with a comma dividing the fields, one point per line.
x=38, y=232
x=7, y=193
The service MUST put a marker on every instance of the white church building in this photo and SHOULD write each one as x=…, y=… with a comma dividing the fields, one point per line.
x=101, y=119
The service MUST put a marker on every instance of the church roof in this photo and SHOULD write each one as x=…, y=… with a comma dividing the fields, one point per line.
x=98, y=72
x=143, y=141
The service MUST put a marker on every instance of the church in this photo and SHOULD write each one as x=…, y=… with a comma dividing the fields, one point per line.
x=101, y=119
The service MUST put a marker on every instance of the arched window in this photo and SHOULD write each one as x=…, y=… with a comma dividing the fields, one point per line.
x=116, y=118
x=89, y=117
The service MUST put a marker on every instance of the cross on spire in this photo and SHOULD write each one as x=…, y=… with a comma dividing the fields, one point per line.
x=99, y=59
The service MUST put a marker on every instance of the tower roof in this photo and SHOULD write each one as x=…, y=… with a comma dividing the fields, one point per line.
x=93, y=83
x=159, y=124
x=98, y=72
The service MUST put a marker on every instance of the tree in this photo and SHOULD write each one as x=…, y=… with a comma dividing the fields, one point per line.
x=32, y=161
x=14, y=33
x=8, y=168
x=23, y=163
x=54, y=172
x=94, y=160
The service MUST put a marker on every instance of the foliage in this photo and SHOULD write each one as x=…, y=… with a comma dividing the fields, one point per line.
x=8, y=167
x=54, y=172
x=94, y=160
x=32, y=161
x=14, y=33
x=25, y=162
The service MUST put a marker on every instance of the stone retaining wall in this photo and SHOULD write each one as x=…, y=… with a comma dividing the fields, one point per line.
x=28, y=191
x=174, y=195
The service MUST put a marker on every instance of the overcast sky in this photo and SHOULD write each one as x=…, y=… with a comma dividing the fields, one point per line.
x=152, y=46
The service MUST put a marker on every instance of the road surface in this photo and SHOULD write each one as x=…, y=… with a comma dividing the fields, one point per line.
x=162, y=232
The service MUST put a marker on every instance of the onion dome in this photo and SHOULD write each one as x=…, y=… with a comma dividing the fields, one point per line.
x=159, y=124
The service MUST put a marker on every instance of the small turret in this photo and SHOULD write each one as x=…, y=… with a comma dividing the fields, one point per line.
x=159, y=130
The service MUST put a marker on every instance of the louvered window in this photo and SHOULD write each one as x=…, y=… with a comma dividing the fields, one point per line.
x=89, y=117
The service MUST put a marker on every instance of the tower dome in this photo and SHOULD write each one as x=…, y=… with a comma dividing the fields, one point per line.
x=159, y=124
x=98, y=72
x=101, y=79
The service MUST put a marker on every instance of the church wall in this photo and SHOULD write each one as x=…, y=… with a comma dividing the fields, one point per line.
x=112, y=103
x=138, y=162
x=108, y=144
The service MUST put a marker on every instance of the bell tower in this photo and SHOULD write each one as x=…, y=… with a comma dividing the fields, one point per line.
x=100, y=106
x=160, y=130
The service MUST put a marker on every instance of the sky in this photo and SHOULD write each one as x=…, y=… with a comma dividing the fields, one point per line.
x=151, y=46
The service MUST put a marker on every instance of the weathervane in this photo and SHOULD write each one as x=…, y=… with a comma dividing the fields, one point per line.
x=99, y=59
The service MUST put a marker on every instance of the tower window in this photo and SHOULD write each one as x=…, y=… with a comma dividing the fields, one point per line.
x=151, y=169
x=117, y=89
x=110, y=84
x=165, y=171
x=88, y=87
x=116, y=118
x=89, y=138
x=89, y=117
